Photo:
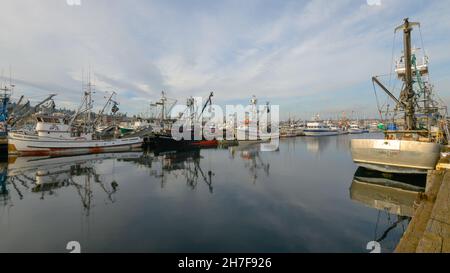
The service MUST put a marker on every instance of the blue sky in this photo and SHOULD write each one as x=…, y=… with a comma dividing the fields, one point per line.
x=307, y=56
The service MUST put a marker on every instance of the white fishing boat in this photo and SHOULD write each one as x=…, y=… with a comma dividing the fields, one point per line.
x=251, y=131
x=288, y=131
x=415, y=148
x=55, y=138
x=398, y=156
x=57, y=135
x=4, y=103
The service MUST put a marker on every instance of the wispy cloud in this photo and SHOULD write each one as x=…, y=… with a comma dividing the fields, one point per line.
x=290, y=52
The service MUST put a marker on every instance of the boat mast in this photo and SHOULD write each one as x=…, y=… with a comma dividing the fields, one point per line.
x=100, y=114
x=407, y=94
x=88, y=122
x=4, y=100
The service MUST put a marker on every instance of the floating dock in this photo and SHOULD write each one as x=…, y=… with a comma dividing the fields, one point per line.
x=429, y=229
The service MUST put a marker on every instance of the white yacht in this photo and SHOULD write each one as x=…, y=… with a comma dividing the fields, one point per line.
x=355, y=129
x=318, y=128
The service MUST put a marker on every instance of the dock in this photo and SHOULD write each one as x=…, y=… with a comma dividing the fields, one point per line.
x=429, y=229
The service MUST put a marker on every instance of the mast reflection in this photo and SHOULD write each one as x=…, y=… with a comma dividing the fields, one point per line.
x=165, y=164
x=4, y=193
x=253, y=161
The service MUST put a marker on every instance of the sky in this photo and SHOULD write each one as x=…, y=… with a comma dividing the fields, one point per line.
x=306, y=56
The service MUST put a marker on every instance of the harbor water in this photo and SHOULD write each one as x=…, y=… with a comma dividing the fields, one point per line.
x=236, y=199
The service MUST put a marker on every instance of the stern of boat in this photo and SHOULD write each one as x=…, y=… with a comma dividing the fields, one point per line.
x=399, y=156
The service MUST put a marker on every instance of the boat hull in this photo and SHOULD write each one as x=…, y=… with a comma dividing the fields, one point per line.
x=26, y=145
x=319, y=133
x=355, y=131
x=252, y=142
x=166, y=141
x=395, y=156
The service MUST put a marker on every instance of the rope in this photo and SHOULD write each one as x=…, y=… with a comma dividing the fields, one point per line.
x=421, y=41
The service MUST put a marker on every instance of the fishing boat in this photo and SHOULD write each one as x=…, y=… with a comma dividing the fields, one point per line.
x=4, y=103
x=355, y=129
x=190, y=129
x=340, y=130
x=250, y=131
x=414, y=146
x=288, y=132
x=319, y=128
x=299, y=129
x=291, y=128
x=57, y=134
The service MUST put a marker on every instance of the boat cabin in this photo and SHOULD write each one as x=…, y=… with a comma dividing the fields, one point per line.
x=53, y=126
x=316, y=125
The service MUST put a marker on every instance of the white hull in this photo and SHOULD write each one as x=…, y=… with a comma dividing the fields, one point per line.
x=33, y=145
x=395, y=156
x=355, y=131
x=320, y=133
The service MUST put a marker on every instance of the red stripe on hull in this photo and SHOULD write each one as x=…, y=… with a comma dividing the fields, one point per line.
x=205, y=143
x=73, y=151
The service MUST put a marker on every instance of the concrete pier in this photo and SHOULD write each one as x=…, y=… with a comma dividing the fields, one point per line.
x=429, y=229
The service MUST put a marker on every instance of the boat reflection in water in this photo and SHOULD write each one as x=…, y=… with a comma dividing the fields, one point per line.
x=253, y=161
x=47, y=175
x=315, y=145
x=4, y=193
x=393, y=195
x=168, y=164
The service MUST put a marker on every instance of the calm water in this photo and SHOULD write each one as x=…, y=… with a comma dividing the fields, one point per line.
x=296, y=199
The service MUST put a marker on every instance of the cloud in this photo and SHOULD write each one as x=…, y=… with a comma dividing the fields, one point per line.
x=284, y=51
x=374, y=2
